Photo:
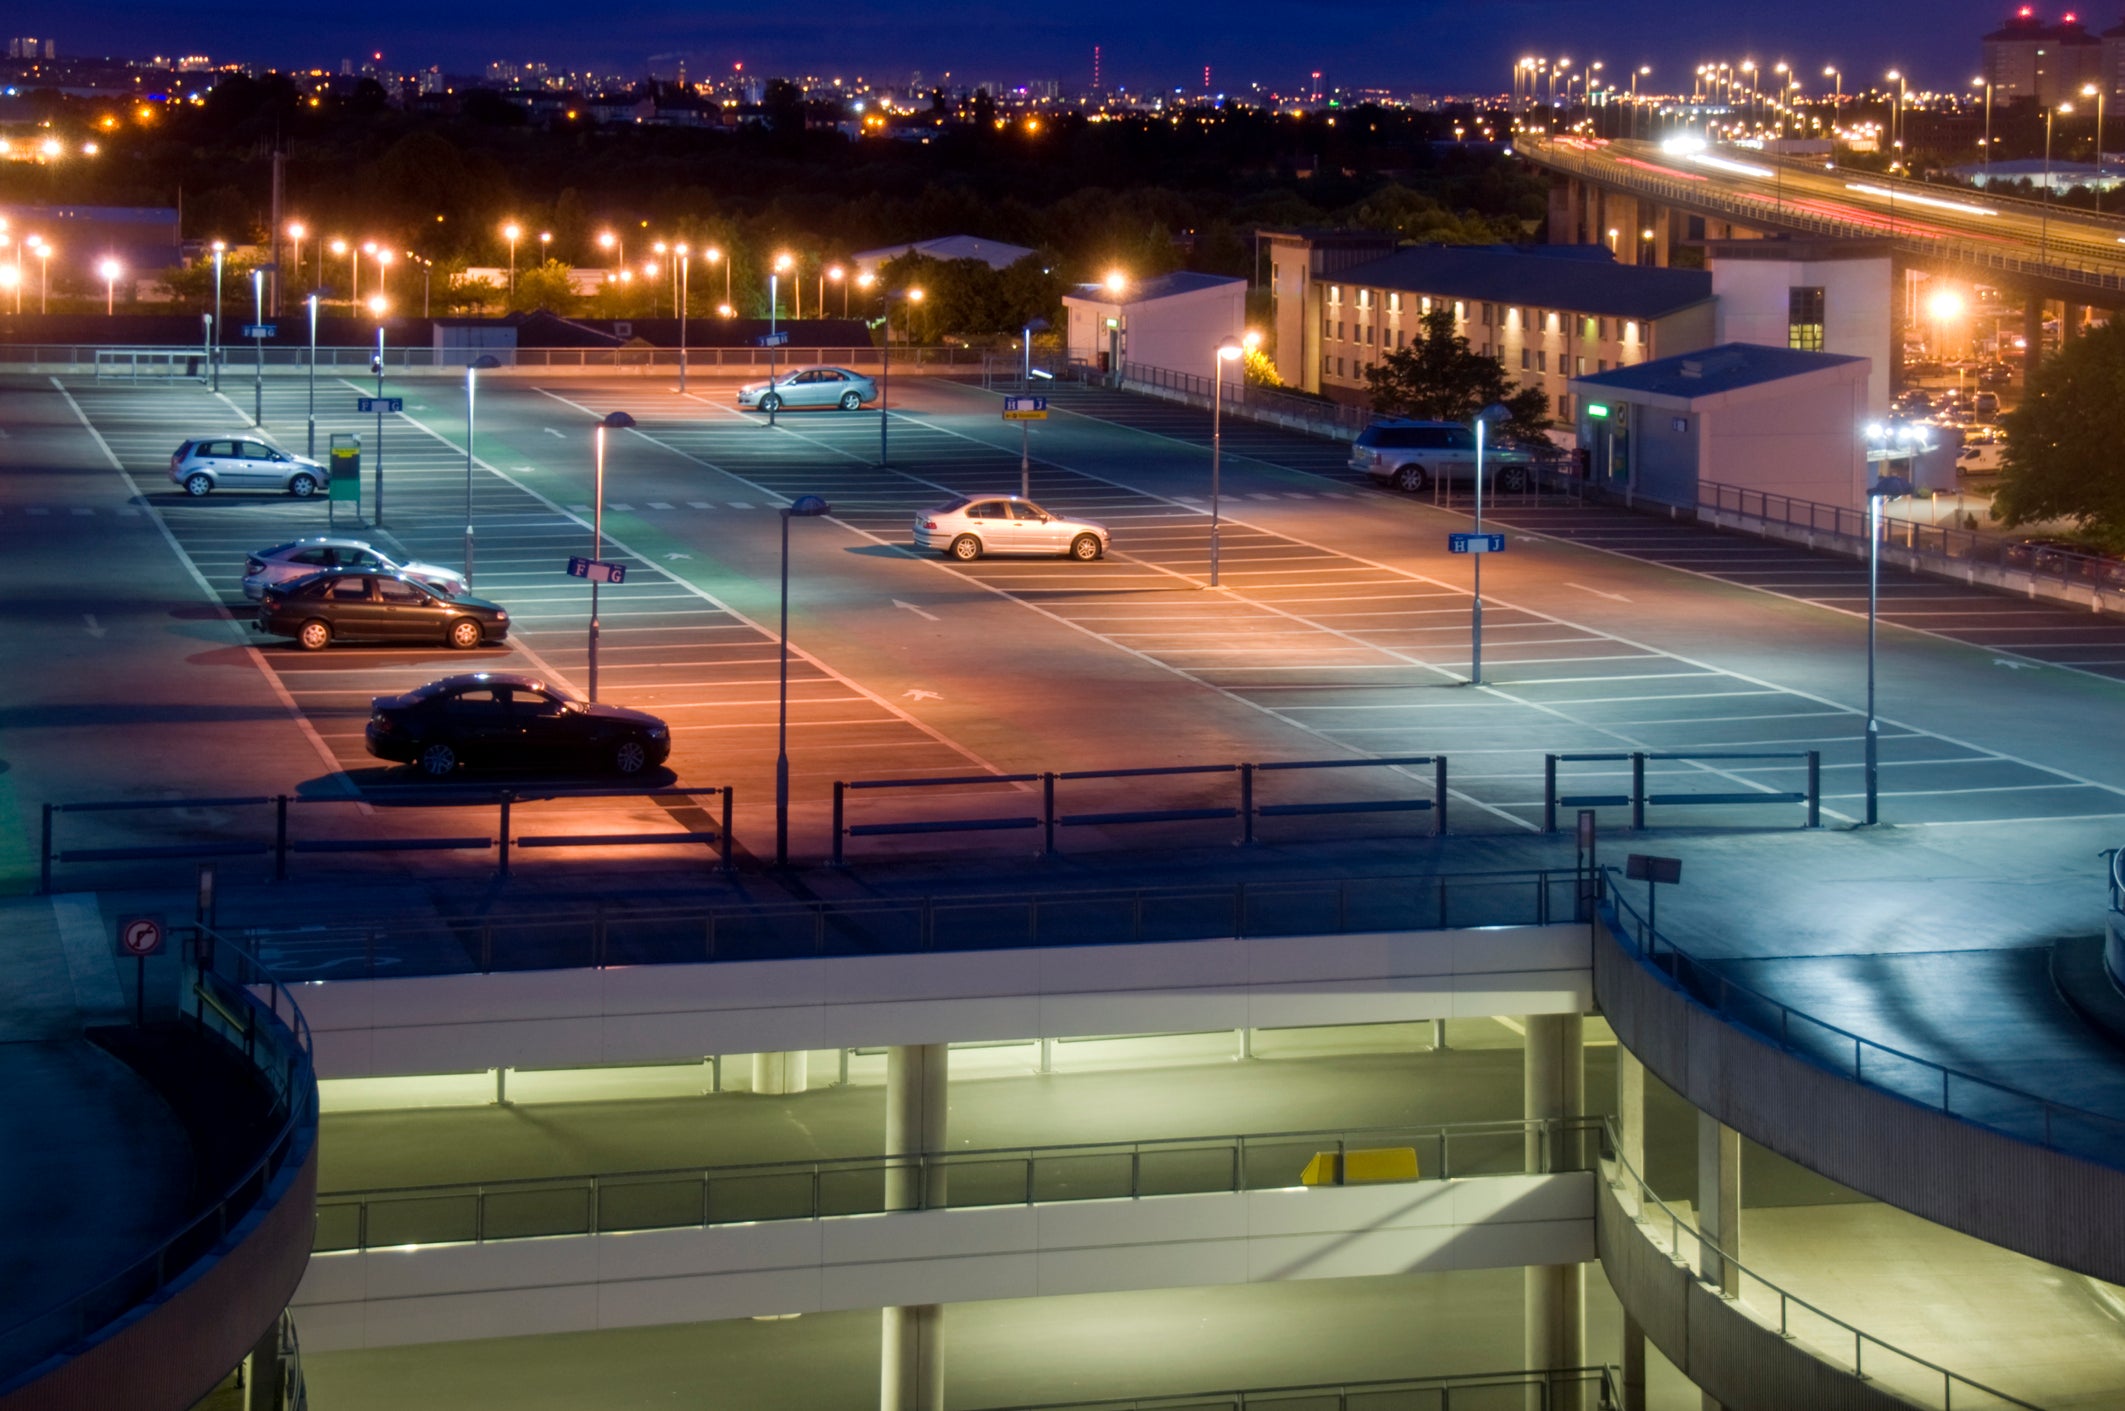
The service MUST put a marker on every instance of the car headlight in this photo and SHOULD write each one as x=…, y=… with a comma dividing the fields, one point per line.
x=501, y=617
x=659, y=732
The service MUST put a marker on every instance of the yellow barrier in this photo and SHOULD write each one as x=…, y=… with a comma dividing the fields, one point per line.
x=1389, y=1163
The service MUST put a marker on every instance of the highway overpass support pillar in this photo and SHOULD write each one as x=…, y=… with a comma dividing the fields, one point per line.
x=1553, y=1077
x=2032, y=336
x=911, y=1350
x=1567, y=212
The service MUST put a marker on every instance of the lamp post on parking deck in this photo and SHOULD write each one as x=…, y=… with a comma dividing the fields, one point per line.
x=1229, y=350
x=805, y=507
x=613, y=421
x=221, y=251
x=1884, y=488
x=885, y=365
x=1488, y=417
x=310, y=442
x=473, y=370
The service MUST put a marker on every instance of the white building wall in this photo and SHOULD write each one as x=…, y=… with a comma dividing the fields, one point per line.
x=1807, y=442
x=1179, y=332
x=1859, y=313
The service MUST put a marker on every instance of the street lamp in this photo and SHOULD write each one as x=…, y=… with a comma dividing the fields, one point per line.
x=609, y=242
x=1887, y=487
x=11, y=278
x=510, y=233
x=258, y=348
x=378, y=307
x=715, y=256
x=1837, y=98
x=1896, y=126
x=295, y=234
x=472, y=371
x=1488, y=417
x=685, y=260
x=110, y=269
x=613, y=421
x=1986, y=155
x=339, y=247
x=1229, y=350
x=839, y=276
x=1116, y=284
x=310, y=441
x=383, y=271
x=885, y=364
x=221, y=251
x=44, y=276
x=803, y=507
x=2044, y=222
x=2090, y=90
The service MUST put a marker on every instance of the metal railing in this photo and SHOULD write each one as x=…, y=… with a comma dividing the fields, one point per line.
x=1321, y=417
x=1945, y=543
x=1638, y=798
x=2024, y=1116
x=278, y=358
x=281, y=845
x=610, y=936
x=703, y=1196
x=1582, y=1388
x=237, y=1001
x=1244, y=809
x=1822, y=1334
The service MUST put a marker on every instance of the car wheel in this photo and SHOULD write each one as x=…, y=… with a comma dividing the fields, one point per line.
x=771, y=402
x=464, y=634
x=1513, y=478
x=630, y=756
x=438, y=759
x=314, y=635
x=1085, y=548
x=1411, y=478
x=966, y=548
x=850, y=401
x=197, y=484
x=302, y=487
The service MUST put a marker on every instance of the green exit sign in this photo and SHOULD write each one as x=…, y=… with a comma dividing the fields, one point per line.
x=1597, y=409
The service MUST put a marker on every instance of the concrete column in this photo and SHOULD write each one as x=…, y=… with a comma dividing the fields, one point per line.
x=911, y=1359
x=262, y=1384
x=1553, y=1082
x=2032, y=336
x=1719, y=1202
x=911, y=1347
x=915, y=1098
x=2070, y=317
x=776, y=1073
x=1438, y=1035
x=1633, y=1365
x=1630, y=1109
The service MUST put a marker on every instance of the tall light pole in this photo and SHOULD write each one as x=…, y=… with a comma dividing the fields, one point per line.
x=885, y=365
x=1986, y=155
x=110, y=269
x=613, y=421
x=2043, y=247
x=772, y=398
x=44, y=276
x=473, y=370
x=2095, y=91
x=258, y=348
x=1229, y=349
x=1116, y=284
x=295, y=235
x=685, y=294
x=840, y=277
x=1488, y=417
x=1641, y=71
x=715, y=256
x=221, y=251
x=378, y=307
x=1887, y=487
x=1896, y=123
x=310, y=440
x=612, y=245
x=339, y=247
x=511, y=232
x=803, y=507
x=1837, y=98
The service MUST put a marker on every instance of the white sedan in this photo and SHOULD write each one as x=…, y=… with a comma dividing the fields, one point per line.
x=965, y=529
x=810, y=387
x=303, y=557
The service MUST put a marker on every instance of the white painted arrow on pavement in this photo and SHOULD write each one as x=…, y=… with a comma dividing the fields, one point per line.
x=551, y=432
x=676, y=555
x=95, y=628
x=916, y=610
x=921, y=695
x=2016, y=665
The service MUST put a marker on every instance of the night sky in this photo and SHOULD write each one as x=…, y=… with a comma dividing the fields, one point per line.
x=1404, y=45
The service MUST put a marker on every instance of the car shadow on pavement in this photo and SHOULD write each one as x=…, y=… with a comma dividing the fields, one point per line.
x=404, y=786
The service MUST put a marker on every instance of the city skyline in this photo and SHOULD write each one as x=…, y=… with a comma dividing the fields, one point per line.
x=1430, y=47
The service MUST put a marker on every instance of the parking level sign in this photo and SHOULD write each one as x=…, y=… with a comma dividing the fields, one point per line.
x=597, y=570
x=379, y=404
x=1475, y=543
x=1025, y=409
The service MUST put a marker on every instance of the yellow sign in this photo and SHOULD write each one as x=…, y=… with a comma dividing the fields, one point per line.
x=1392, y=1163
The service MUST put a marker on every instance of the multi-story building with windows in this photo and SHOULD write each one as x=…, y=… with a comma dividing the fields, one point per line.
x=1548, y=313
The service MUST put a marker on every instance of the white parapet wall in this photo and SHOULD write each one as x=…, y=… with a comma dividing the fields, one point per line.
x=520, y=1288
x=638, y=1014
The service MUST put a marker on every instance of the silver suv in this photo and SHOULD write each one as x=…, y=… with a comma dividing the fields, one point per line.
x=1410, y=455
x=239, y=463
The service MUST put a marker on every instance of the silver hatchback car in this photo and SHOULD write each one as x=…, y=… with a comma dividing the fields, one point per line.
x=303, y=557
x=810, y=387
x=967, y=528
x=239, y=463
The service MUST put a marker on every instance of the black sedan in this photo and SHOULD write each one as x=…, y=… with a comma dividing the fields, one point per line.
x=324, y=608
x=497, y=719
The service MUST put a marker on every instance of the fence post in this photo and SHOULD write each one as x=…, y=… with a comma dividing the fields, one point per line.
x=1247, y=805
x=1549, y=793
x=1047, y=813
x=46, y=872
x=1638, y=791
x=840, y=791
x=723, y=843
x=505, y=835
x=1438, y=796
x=280, y=838
x=1815, y=788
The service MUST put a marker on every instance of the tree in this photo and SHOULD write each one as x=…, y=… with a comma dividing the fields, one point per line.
x=544, y=286
x=2061, y=460
x=1438, y=377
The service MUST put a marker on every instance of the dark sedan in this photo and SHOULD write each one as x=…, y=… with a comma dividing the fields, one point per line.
x=501, y=720
x=375, y=607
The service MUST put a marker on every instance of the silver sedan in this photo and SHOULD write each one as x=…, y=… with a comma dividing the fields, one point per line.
x=285, y=562
x=966, y=529
x=810, y=387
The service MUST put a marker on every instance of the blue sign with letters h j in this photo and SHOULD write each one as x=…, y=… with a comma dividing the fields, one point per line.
x=1475, y=543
